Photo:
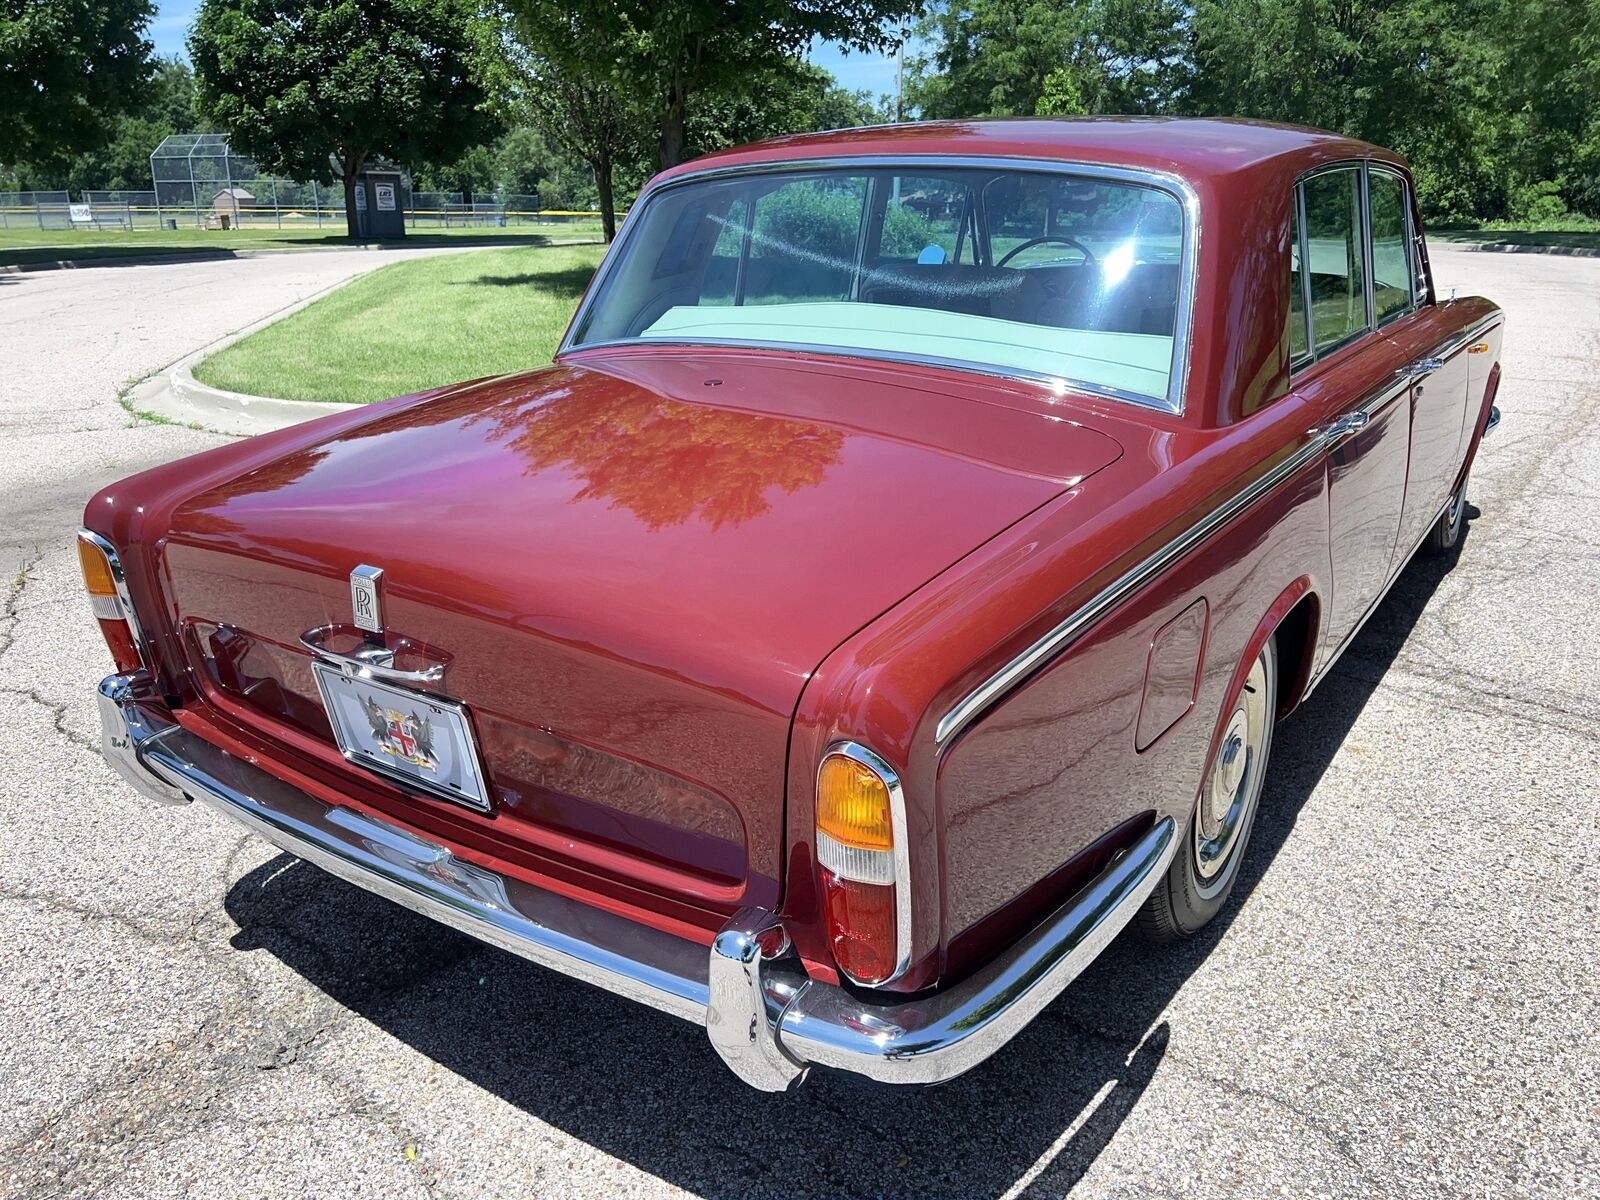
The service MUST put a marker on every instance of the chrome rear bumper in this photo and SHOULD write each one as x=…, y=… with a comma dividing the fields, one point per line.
x=768, y=1021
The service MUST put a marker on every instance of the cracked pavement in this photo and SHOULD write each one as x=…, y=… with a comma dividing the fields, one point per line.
x=1401, y=999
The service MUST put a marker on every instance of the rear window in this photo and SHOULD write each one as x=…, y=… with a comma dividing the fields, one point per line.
x=1058, y=274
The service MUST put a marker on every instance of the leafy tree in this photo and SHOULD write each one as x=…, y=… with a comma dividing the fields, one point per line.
x=1409, y=74
x=666, y=53
x=589, y=114
x=1026, y=57
x=67, y=68
x=163, y=105
x=295, y=81
x=1548, y=93
x=527, y=164
x=788, y=96
x=470, y=172
x=1493, y=101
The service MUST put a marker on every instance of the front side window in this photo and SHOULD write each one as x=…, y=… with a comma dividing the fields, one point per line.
x=1391, y=257
x=927, y=219
x=1334, y=254
x=1077, y=277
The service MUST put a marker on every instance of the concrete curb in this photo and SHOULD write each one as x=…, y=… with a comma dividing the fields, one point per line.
x=1517, y=248
x=174, y=394
x=249, y=414
x=221, y=254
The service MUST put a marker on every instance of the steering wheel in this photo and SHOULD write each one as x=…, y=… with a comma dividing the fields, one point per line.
x=1088, y=255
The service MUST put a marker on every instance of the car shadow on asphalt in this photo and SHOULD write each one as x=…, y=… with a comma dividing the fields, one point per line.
x=646, y=1088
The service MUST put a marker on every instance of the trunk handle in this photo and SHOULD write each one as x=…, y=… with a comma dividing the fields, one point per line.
x=371, y=661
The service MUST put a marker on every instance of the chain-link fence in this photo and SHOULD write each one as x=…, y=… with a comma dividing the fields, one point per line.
x=34, y=210
x=200, y=183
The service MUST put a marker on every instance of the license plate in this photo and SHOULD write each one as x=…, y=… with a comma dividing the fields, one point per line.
x=419, y=740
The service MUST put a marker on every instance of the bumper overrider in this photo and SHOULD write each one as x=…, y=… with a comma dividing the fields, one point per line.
x=764, y=1016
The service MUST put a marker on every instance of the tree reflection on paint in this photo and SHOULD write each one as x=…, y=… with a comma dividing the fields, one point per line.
x=664, y=460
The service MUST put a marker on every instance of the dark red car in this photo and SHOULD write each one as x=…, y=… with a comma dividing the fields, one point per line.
x=887, y=596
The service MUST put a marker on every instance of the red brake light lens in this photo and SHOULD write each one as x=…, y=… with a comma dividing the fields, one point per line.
x=861, y=927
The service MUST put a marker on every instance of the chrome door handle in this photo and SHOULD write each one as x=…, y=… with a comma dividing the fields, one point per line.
x=370, y=662
x=1422, y=366
x=1345, y=426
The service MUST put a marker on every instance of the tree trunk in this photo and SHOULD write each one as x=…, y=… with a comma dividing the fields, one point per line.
x=608, y=202
x=351, y=161
x=670, y=147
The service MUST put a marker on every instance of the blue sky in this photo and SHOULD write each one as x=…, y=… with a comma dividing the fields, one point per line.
x=870, y=72
x=171, y=26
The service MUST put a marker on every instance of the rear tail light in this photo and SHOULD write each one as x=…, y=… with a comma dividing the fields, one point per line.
x=861, y=850
x=108, y=597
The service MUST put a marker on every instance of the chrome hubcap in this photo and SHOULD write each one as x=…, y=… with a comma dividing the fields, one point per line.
x=1453, y=513
x=1235, y=780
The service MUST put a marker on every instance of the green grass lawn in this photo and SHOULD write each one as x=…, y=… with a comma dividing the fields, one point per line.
x=414, y=325
x=23, y=246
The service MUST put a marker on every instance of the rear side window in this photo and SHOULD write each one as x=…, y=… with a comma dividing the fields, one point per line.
x=1334, y=254
x=803, y=241
x=1391, y=259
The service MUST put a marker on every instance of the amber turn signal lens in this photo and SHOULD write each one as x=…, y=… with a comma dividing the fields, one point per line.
x=96, y=569
x=853, y=804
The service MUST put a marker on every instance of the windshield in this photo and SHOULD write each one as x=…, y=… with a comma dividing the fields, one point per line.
x=1067, y=276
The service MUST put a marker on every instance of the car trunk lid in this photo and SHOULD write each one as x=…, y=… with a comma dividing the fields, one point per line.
x=632, y=568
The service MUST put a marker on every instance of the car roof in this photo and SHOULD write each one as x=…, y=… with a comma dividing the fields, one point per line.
x=1193, y=148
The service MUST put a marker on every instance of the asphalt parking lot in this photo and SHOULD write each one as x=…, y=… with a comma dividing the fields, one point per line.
x=1401, y=1000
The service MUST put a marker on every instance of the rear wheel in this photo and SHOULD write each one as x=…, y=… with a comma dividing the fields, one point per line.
x=1206, y=864
x=1446, y=531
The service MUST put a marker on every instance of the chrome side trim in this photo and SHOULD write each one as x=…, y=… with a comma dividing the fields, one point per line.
x=901, y=854
x=124, y=600
x=1460, y=341
x=938, y=1037
x=1323, y=439
x=1069, y=630
x=1173, y=184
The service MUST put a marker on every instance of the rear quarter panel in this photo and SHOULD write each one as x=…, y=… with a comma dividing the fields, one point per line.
x=1027, y=791
x=1014, y=813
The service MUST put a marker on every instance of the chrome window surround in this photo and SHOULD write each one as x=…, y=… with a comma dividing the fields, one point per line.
x=1366, y=166
x=1083, y=619
x=1364, y=233
x=124, y=602
x=1410, y=233
x=1297, y=226
x=1173, y=185
x=875, y=763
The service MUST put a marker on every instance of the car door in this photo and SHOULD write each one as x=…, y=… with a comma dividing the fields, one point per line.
x=1355, y=378
x=1427, y=335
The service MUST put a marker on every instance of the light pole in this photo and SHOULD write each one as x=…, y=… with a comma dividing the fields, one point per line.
x=900, y=74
